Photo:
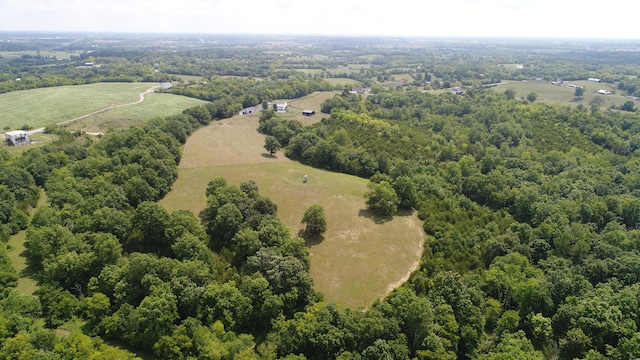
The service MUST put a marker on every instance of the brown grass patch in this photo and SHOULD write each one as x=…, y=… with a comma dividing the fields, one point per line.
x=360, y=258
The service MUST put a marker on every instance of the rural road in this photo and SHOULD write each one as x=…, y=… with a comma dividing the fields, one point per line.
x=140, y=99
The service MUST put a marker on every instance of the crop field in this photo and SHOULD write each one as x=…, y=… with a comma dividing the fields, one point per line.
x=361, y=257
x=45, y=106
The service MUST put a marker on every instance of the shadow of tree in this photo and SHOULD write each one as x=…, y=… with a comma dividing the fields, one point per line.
x=270, y=156
x=378, y=219
x=310, y=241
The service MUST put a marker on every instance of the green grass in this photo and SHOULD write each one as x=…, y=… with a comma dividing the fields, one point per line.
x=57, y=54
x=400, y=77
x=155, y=104
x=15, y=246
x=41, y=107
x=310, y=71
x=349, y=69
x=342, y=81
x=563, y=94
x=361, y=257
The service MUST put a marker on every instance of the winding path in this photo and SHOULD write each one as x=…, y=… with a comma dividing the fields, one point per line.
x=140, y=99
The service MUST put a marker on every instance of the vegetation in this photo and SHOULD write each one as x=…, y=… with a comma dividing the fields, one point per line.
x=530, y=208
x=315, y=221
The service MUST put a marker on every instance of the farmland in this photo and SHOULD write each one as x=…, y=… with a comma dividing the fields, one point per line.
x=40, y=107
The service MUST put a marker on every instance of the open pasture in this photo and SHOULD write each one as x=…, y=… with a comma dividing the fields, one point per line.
x=44, y=53
x=154, y=104
x=563, y=94
x=45, y=106
x=361, y=257
x=342, y=81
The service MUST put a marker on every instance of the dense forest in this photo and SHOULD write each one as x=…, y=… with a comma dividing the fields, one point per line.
x=531, y=210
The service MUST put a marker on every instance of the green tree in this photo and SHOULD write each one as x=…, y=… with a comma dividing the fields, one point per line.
x=531, y=97
x=628, y=106
x=382, y=198
x=271, y=144
x=315, y=220
x=579, y=92
x=510, y=94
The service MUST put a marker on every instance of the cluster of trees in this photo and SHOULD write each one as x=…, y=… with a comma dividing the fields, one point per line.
x=531, y=205
x=531, y=211
x=18, y=192
x=251, y=92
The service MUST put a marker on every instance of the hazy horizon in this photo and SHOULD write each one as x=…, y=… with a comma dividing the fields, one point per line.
x=465, y=18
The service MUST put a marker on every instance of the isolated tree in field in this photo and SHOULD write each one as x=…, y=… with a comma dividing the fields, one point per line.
x=532, y=97
x=579, y=92
x=382, y=198
x=315, y=220
x=271, y=144
x=628, y=106
x=510, y=94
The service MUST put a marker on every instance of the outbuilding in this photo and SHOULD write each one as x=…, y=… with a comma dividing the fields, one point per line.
x=308, y=112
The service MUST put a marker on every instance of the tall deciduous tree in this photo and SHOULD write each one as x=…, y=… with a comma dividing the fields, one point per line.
x=271, y=144
x=382, y=198
x=315, y=220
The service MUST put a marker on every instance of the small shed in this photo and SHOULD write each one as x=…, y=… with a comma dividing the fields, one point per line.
x=308, y=112
x=17, y=137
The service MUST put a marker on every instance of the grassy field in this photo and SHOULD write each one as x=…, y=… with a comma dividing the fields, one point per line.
x=37, y=140
x=405, y=77
x=342, y=81
x=155, y=104
x=15, y=247
x=563, y=94
x=41, y=107
x=57, y=54
x=351, y=68
x=360, y=259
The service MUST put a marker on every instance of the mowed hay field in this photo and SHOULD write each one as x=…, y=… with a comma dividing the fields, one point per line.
x=45, y=106
x=154, y=104
x=563, y=94
x=359, y=260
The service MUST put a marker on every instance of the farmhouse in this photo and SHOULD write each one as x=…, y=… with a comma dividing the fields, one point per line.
x=281, y=106
x=604, y=92
x=360, y=90
x=18, y=137
x=457, y=90
x=308, y=112
x=166, y=86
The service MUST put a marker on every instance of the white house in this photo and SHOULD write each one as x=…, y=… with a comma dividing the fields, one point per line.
x=604, y=92
x=281, y=106
x=17, y=137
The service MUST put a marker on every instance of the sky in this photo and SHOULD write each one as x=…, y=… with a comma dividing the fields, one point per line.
x=420, y=18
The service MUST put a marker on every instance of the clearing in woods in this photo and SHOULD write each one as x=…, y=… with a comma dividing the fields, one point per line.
x=360, y=259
